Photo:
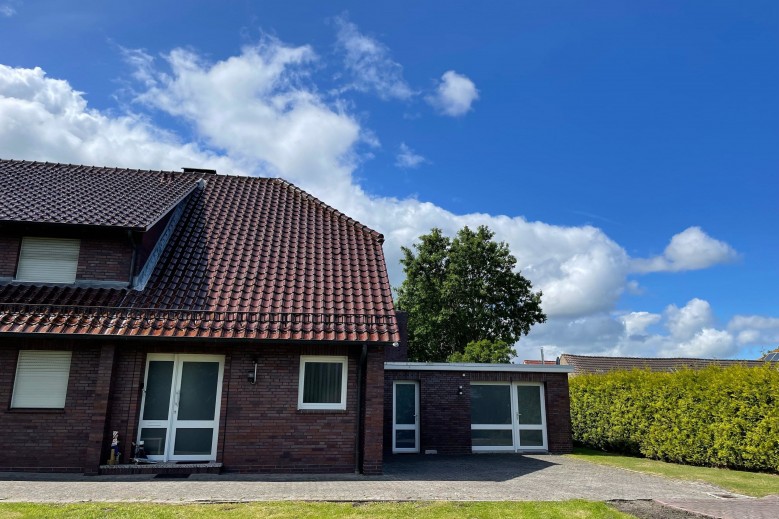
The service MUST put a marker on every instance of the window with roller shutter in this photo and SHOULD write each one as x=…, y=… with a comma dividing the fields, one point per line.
x=48, y=260
x=41, y=379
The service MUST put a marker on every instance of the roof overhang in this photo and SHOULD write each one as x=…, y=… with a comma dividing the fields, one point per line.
x=469, y=366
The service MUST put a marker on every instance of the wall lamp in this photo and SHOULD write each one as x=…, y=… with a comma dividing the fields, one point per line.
x=460, y=390
x=252, y=378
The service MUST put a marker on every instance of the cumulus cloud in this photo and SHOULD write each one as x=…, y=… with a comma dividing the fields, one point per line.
x=408, y=158
x=455, y=94
x=755, y=329
x=256, y=113
x=689, y=331
x=46, y=119
x=691, y=249
x=370, y=64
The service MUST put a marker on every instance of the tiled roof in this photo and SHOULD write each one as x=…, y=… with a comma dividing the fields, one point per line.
x=590, y=364
x=250, y=258
x=43, y=192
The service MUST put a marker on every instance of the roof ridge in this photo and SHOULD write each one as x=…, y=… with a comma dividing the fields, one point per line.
x=650, y=358
x=327, y=207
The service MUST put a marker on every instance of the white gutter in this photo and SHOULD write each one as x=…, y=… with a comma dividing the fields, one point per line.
x=470, y=366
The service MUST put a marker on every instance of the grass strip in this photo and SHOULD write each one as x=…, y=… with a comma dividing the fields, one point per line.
x=577, y=509
x=754, y=484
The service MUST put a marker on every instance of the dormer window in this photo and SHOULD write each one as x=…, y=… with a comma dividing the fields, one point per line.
x=48, y=260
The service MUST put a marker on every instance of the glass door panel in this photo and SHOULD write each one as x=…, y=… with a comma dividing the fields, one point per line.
x=405, y=417
x=530, y=417
x=491, y=423
x=180, y=408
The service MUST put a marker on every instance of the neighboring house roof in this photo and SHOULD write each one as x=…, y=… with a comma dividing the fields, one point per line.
x=591, y=364
x=772, y=356
x=42, y=192
x=533, y=362
x=250, y=258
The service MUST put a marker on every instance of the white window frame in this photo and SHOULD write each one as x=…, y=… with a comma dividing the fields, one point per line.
x=53, y=255
x=515, y=426
x=333, y=359
x=40, y=376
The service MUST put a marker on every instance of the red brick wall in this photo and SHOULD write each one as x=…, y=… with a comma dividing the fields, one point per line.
x=101, y=258
x=262, y=429
x=48, y=440
x=104, y=259
x=445, y=416
x=9, y=253
x=373, y=413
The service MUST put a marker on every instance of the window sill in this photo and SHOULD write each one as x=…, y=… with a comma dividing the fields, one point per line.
x=34, y=410
x=323, y=411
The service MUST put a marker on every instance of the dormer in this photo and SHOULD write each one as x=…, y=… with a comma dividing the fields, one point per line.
x=86, y=226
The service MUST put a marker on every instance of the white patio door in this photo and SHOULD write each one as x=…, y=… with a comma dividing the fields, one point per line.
x=180, y=407
x=508, y=417
x=405, y=416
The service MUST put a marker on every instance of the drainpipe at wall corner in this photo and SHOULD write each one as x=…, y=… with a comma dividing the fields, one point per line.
x=358, y=436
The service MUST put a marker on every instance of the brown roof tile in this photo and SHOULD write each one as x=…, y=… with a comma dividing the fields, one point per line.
x=43, y=192
x=587, y=364
x=250, y=258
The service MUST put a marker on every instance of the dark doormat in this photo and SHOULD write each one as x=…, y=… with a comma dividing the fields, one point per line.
x=171, y=476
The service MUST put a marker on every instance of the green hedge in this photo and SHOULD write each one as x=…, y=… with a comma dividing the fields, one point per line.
x=720, y=417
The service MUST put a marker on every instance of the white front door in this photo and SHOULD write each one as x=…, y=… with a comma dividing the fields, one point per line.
x=180, y=407
x=405, y=416
x=508, y=417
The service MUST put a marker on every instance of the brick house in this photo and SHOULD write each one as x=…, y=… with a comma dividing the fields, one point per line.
x=235, y=321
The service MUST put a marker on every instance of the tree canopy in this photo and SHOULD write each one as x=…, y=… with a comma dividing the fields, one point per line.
x=463, y=290
x=484, y=351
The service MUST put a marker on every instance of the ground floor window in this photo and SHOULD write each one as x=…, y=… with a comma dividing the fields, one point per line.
x=322, y=382
x=41, y=380
x=507, y=416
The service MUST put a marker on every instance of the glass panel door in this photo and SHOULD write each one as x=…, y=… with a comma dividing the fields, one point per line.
x=530, y=417
x=405, y=416
x=180, y=408
x=491, y=426
x=196, y=405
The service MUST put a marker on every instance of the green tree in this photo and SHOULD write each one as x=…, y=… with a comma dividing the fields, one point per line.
x=463, y=290
x=484, y=351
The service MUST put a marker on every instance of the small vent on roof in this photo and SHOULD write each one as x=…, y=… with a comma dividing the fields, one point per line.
x=200, y=170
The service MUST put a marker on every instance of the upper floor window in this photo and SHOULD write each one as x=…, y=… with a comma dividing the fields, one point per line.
x=48, y=260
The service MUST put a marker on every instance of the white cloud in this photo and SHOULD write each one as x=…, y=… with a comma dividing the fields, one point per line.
x=408, y=158
x=455, y=94
x=636, y=323
x=691, y=249
x=369, y=63
x=256, y=113
x=685, y=322
x=46, y=119
x=7, y=10
x=681, y=332
x=755, y=329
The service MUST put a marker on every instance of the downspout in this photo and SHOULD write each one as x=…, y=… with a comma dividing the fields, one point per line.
x=358, y=436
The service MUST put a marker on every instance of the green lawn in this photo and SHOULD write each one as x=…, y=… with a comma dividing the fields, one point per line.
x=741, y=482
x=278, y=510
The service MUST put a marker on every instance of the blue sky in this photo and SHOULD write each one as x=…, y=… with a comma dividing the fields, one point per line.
x=626, y=151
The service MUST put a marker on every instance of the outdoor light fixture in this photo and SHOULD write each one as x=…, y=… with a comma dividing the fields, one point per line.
x=460, y=390
x=252, y=378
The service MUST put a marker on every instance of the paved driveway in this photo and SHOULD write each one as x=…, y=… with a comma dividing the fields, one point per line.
x=477, y=477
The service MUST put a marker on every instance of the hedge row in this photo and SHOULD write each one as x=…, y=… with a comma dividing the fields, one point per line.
x=720, y=417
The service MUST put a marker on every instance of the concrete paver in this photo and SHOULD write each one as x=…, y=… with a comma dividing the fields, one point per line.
x=488, y=477
x=478, y=477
